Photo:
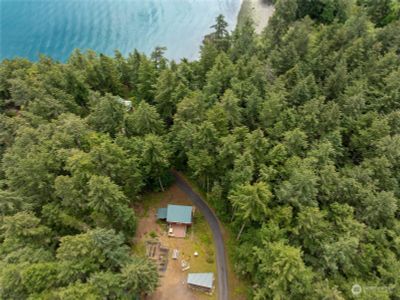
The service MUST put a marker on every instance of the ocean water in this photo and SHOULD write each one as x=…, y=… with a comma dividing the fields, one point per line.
x=56, y=27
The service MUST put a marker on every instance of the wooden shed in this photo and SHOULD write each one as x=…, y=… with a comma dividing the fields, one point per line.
x=201, y=281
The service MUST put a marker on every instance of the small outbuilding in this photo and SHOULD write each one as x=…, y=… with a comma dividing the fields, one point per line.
x=162, y=213
x=175, y=254
x=126, y=103
x=203, y=282
x=178, y=217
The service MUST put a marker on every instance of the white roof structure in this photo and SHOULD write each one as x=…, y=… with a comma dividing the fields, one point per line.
x=127, y=103
x=175, y=254
x=201, y=279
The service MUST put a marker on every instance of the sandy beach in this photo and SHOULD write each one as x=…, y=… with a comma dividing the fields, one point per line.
x=258, y=10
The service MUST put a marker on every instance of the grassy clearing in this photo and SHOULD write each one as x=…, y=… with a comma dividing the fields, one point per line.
x=199, y=239
x=203, y=239
x=139, y=249
x=238, y=288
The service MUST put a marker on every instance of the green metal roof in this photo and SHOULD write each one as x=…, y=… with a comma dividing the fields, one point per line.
x=201, y=279
x=179, y=214
x=162, y=213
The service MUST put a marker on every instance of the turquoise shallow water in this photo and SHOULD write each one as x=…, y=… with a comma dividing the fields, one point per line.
x=56, y=27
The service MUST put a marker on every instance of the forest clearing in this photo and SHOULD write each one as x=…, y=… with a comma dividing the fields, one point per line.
x=198, y=239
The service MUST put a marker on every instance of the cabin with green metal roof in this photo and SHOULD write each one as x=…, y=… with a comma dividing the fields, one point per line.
x=178, y=217
x=162, y=213
x=180, y=214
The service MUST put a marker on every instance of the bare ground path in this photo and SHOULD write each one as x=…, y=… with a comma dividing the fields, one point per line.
x=222, y=268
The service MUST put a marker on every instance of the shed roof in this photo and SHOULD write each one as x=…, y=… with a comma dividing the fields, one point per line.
x=179, y=214
x=127, y=103
x=162, y=213
x=201, y=279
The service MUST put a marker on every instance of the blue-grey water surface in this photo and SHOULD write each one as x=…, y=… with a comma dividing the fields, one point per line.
x=56, y=27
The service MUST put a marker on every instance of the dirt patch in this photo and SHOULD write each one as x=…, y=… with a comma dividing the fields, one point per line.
x=147, y=225
x=173, y=284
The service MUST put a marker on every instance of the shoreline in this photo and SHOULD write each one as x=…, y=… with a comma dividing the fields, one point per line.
x=258, y=11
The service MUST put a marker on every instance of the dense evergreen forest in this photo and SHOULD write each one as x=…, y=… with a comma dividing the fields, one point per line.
x=294, y=135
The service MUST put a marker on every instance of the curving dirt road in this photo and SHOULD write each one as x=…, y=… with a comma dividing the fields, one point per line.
x=212, y=220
